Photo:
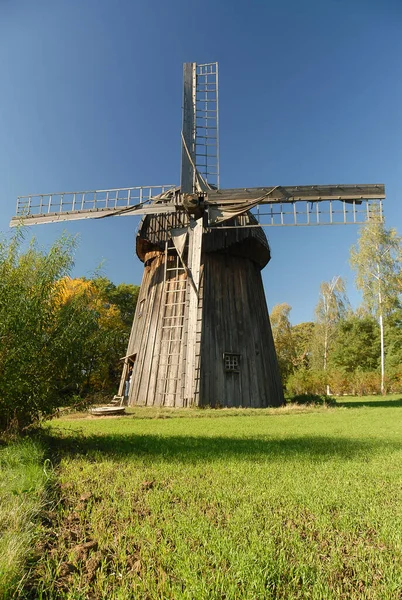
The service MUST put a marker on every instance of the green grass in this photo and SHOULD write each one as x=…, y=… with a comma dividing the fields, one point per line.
x=281, y=503
x=22, y=487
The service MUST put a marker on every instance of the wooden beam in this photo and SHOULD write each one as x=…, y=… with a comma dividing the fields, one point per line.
x=187, y=182
x=309, y=193
x=94, y=213
x=194, y=265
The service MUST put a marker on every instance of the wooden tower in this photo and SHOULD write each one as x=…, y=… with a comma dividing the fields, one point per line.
x=201, y=333
x=203, y=340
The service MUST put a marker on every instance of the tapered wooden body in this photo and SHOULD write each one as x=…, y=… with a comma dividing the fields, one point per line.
x=235, y=361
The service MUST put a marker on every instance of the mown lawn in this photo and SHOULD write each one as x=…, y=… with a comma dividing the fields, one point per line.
x=281, y=503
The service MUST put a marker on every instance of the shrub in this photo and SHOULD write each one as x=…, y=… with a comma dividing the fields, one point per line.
x=366, y=383
x=60, y=338
x=32, y=338
x=49, y=346
x=340, y=382
x=316, y=399
x=306, y=381
x=394, y=380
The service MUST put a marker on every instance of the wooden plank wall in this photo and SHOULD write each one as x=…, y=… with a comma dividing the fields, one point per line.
x=144, y=341
x=157, y=379
x=235, y=319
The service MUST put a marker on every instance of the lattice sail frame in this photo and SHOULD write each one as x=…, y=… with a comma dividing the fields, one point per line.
x=207, y=123
x=302, y=213
x=67, y=206
x=200, y=128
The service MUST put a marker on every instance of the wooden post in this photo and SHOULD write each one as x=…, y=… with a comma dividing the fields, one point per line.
x=188, y=129
x=194, y=263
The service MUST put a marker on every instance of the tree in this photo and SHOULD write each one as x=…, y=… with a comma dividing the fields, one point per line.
x=377, y=260
x=393, y=342
x=58, y=336
x=331, y=308
x=123, y=295
x=106, y=335
x=302, y=340
x=357, y=345
x=283, y=339
x=33, y=337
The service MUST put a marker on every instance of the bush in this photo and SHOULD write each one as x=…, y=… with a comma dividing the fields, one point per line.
x=393, y=381
x=316, y=399
x=306, y=381
x=340, y=382
x=60, y=338
x=366, y=383
x=32, y=337
x=51, y=342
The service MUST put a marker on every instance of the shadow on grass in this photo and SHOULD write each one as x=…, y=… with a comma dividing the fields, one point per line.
x=371, y=403
x=207, y=449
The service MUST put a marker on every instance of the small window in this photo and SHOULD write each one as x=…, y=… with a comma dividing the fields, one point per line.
x=141, y=309
x=231, y=362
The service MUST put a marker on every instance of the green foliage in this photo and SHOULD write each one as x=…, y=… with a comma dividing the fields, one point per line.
x=36, y=343
x=366, y=383
x=394, y=380
x=306, y=381
x=283, y=339
x=302, y=339
x=58, y=337
x=313, y=399
x=377, y=260
x=123, y=295
x=357, y=345
x=339, y=381
x=393, y=341
x=332, y=307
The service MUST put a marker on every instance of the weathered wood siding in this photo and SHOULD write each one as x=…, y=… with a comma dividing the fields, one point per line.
x=160, y=349
x=235, y=320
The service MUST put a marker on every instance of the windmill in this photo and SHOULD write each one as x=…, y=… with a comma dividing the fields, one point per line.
x=201, y=333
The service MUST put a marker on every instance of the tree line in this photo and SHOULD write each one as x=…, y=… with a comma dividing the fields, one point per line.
x=344, y=351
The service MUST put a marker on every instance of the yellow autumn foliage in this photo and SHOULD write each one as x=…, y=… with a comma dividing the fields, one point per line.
x=69, y=288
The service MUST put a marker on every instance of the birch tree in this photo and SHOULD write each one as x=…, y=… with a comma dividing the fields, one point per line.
x=377, y=261
x=332, y=306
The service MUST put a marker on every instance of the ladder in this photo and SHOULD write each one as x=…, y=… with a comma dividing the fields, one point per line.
x=172, y=325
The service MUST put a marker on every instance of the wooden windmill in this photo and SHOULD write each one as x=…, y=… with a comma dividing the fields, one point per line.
x=201, y=333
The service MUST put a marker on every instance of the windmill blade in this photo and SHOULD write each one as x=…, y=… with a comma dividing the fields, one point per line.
x=229, y=203
x=97, y=204
x=309, y=193
x=200, y=132
x=207, y=124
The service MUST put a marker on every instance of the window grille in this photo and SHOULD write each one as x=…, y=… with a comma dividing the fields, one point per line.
x=231, y=362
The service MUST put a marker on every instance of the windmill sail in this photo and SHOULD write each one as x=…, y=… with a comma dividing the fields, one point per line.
x=200, y=129
x=296, y=205
x=97, y=204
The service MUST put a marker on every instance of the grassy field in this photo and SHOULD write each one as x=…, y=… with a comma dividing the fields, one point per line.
x=281, y=503
x=23, y=479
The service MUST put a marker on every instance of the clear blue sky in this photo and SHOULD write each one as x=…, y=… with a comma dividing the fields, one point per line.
x=310, y=92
